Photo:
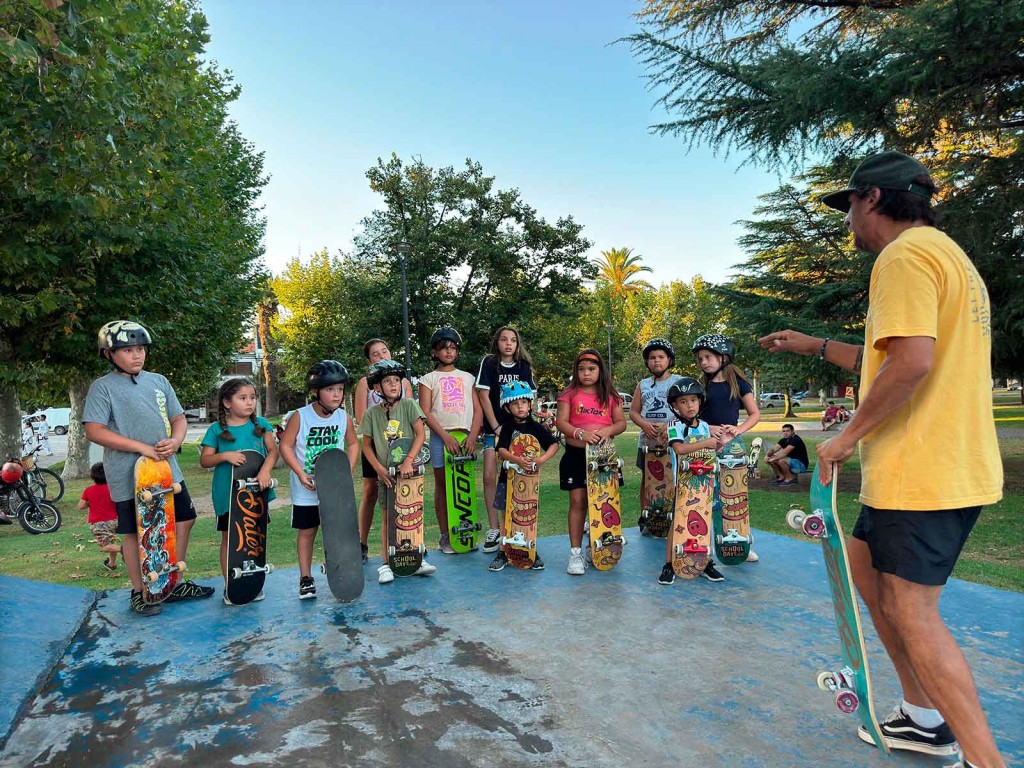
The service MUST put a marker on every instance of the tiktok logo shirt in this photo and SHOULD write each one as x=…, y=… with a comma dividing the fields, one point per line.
x=585, y=409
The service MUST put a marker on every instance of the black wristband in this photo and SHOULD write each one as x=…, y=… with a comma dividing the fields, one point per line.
x=821, y=352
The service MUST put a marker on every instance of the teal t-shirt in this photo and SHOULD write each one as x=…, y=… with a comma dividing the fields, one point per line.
x=245, y=440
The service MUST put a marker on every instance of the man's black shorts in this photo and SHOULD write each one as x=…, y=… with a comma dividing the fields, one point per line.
x=921, y=547
x=184, y=510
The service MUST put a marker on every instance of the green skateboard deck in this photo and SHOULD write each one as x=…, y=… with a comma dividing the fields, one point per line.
x=460, y=495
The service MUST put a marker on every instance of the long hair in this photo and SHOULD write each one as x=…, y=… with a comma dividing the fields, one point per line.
x=732, y=377
x=226, y=392
x=520, y=355
x=605, y=386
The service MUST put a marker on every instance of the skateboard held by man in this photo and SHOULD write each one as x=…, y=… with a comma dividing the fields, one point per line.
x=657, y=506
x=732, y=525
x=851, y=683
x=247, y=565
x=403, y=509
x=604, y=506
x=753, y=460
x=519, y=524
x=154, y=515
x=691, y=524
x=460, y=495
x=339, y=524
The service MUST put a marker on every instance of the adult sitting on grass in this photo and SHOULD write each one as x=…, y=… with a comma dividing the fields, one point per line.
x=788, y=457
x=830, y=417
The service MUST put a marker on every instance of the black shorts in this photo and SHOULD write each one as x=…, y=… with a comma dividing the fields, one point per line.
x=222, y=522
x=369, y=473
x=305, y=517
x=921, y=547
x=184, y=510
x=572, y=469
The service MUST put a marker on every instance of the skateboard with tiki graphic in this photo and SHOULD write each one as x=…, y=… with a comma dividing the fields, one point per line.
x=519, y=524
x=732, y=523
x=154, y=515
x=603, y=523
x=403, y=509
x=850, y=684
x=247, y=564
x=691, y=524
x=753, y=460
x=339, y=525
x=460, y=495
x=658, y=503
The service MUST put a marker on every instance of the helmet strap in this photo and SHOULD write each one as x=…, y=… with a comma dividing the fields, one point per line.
x=118, y=368
x=327, y=411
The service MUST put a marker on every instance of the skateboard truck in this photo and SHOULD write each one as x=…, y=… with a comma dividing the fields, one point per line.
x=841, y=683
x=153, y=576
x=692, y=547
x=249, y=568
x=812, y=525
x=149, y=494
x=609, y=539
x=732, y=537
x=252, y=482
x=529, y=470
x=698, y=468
x=518, y=539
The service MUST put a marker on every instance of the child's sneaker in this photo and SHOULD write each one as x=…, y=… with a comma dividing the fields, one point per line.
x=668, y=576
x=444, y=544
x=900, y=732
x=711, y=573
x=108, y=566
x=385, y=575
x=189, y=590
x=141, y=607
x=307, y=588
x=426, y=569
x=365, y=552
x=259, y=597
x=577, y=566
x=491, y=541
x=226, y=600
x=642, y=525
x=538, y=564
x=498, y=563
x=752, y=557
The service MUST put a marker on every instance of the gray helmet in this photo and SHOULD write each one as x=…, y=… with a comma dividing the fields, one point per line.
x=663, y=344
x=687, y=385
x=122, y=333
x=383, y=368
x=446, y=334
x=717, y=343
x=325, y=373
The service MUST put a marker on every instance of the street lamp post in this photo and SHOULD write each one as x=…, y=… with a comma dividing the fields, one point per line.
x=403, y=247
x=608, y=327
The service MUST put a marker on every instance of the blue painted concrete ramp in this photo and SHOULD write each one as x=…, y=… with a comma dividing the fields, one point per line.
x=470, y=668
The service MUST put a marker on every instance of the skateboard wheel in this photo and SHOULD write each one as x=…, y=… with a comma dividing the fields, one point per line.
x=152, y=576
x=236, y=573
x=182, y=566
x=718, y=539
x=422, y=548
x=645, y=514
x=391, y=551
x=624, y=539
x=588, y=555
x=323, y=568
x=592, y=466
x=146, y=496
x=176, y=487
x=598, y=545
x=826, y=681
x=795, y=518
x=814, y=526
x=270, y=568
x=240, y=484
x=847, y=701
x=533, y=545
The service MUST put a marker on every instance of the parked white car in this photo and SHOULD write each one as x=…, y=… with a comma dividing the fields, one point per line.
x=776, y=400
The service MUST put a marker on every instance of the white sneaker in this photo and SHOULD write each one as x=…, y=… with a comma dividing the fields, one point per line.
x=259, y=597
x=752, y=557
x=577, y=567
x=385, y=575
x=426, y=569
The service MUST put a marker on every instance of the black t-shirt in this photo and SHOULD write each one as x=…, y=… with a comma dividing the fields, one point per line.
x=799, y=451
x=529, y=427
x=718, y=408
x=492, y=375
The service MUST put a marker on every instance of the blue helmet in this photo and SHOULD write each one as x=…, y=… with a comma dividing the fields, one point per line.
x=515, y=390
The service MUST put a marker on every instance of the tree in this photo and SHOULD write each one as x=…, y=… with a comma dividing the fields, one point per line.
x=127, y=192
x=781, y=79
x=266, y=314
x=618, y=267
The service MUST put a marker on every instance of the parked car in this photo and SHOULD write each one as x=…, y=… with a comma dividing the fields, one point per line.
x=1014, y=387
x=627, y=400
x=195, y=414
x=802, y=395
x=58, y=419
x=776, y=400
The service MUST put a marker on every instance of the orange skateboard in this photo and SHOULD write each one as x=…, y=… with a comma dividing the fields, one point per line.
x=691, y=525
x=154, y=514
x=519, y=527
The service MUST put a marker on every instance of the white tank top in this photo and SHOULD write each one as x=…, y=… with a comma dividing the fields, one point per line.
x=315, y=435
x=654, y=402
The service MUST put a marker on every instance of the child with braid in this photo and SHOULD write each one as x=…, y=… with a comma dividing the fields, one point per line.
x=238, y=429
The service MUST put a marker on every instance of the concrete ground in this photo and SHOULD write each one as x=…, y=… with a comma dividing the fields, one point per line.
x=470, y=668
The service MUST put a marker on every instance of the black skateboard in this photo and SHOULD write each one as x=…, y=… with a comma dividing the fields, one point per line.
x=247, y=531
x=343, y=557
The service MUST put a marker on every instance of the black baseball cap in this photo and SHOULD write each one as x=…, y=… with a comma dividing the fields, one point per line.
x=886, y=170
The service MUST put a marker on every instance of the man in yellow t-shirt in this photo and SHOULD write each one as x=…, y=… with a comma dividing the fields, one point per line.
x=927, y=344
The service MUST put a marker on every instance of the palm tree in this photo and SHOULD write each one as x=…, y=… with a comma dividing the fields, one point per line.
x=618, y=268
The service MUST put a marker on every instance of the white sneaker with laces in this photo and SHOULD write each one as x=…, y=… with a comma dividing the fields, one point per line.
x=577, y=566
x=426, y=569
x=385, y=575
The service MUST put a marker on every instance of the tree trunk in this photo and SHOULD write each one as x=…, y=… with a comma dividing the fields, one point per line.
x=265, y=313
x=10, y=411
x=77, y=463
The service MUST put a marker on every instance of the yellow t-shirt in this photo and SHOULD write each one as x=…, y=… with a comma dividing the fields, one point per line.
x=939, y=451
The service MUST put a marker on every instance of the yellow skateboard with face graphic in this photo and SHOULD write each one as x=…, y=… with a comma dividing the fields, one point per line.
x=604, y=506
x=519, y=528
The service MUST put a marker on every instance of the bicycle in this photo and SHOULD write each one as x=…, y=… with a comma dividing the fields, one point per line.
x=18, y=501
x=45, y=483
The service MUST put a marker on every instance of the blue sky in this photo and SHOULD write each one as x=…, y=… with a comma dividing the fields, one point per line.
x=532, y=90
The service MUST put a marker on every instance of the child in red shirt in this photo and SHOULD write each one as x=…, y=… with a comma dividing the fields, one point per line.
x=102, y=515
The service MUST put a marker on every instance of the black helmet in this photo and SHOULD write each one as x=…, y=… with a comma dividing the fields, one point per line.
x=383, y=368
x=325, y=373
x=717, y=343
x=663, y=344
x=687, y=385
x=446, y=334
x=122, y=333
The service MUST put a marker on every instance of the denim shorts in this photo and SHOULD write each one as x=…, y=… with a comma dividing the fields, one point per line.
x=797, y=467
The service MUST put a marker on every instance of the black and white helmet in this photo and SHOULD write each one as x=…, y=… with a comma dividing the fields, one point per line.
x=122, y=333
x=686, y=385
x=717, y=343
x=663, y=344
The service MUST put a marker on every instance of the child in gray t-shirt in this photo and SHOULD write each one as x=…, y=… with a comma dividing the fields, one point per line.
x=132, y=413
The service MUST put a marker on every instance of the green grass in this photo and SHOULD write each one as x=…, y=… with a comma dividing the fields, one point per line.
x=993, y=555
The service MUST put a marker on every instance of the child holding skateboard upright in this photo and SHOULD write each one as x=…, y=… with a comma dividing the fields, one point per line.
x=237, y=429
x=448, y=399
x=507, y=362
x=517, y=401
x=132, y=412
x=312, y=429
x=392, y=418
x=650, y=408
x=726, y=390
x=102, y=515
x=686, y=435
x=589, y=412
